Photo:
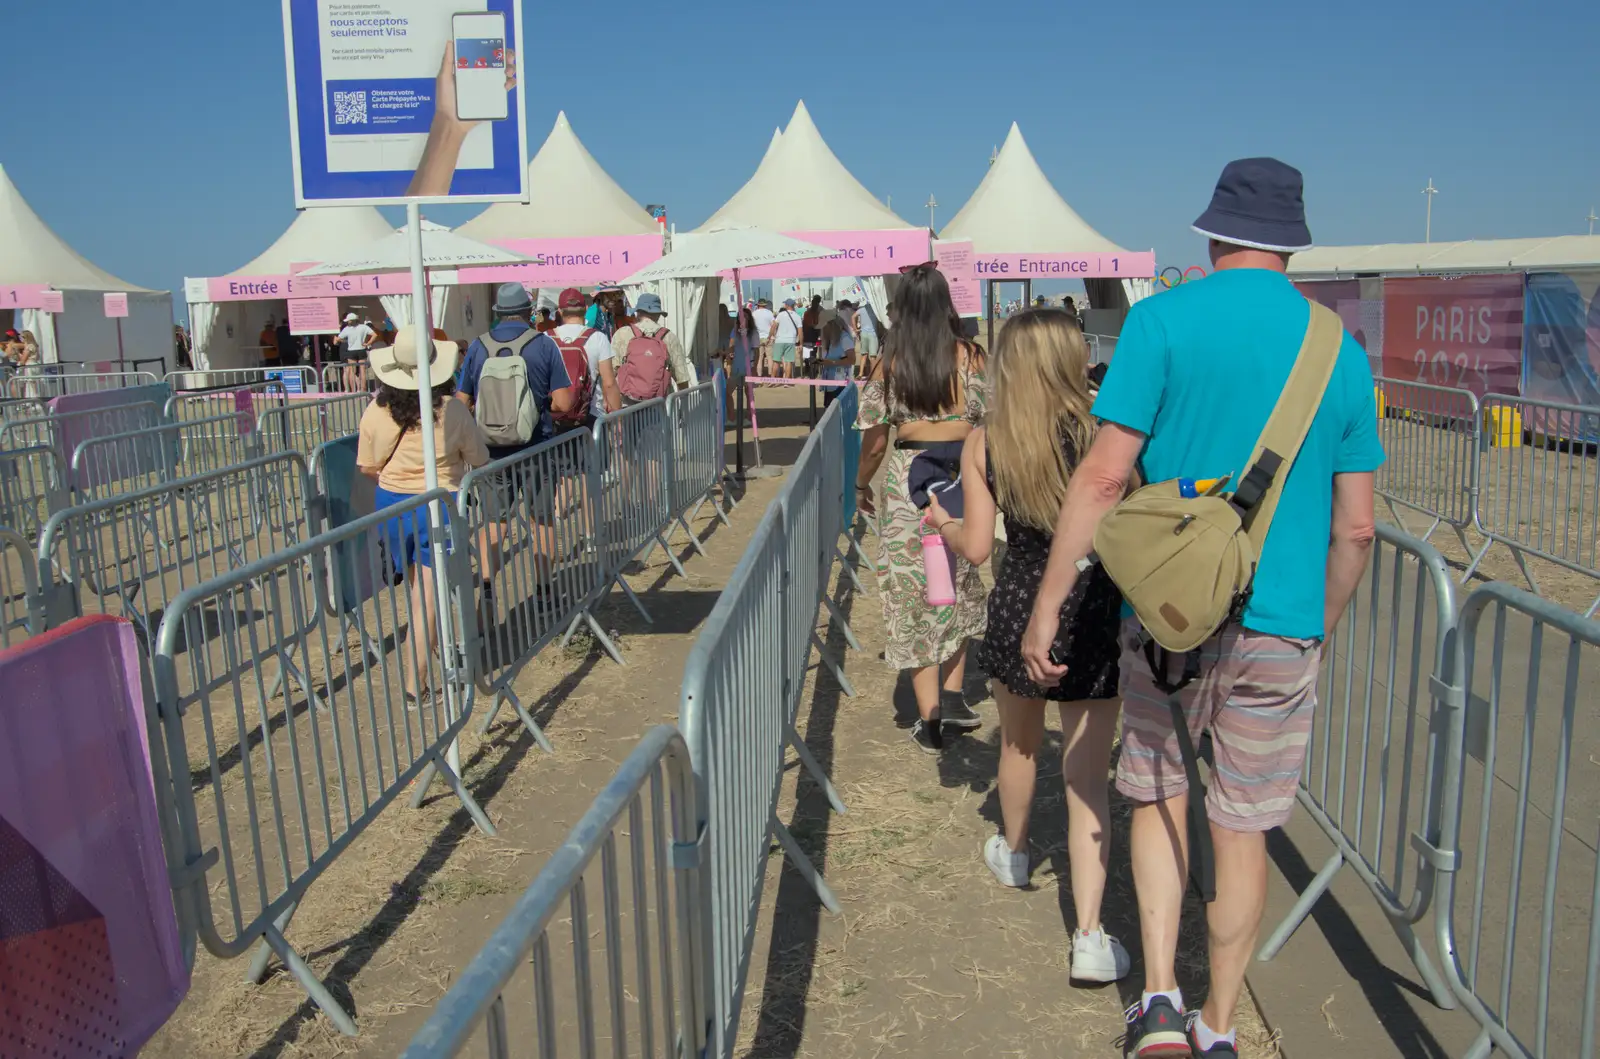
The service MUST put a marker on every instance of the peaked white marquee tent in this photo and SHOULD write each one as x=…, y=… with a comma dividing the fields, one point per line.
x=1016, y=210
x=34, y=258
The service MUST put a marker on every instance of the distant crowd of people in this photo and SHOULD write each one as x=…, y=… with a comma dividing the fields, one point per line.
x=1030, y=438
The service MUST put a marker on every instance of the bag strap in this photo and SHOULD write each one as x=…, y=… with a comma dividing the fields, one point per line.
x=516, y=345
x=1202, y=857
x=1286, y=429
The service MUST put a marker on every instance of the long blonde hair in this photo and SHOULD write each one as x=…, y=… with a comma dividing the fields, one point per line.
x=1041, y=398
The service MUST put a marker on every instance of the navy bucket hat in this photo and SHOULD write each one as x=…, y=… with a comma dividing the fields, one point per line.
x=1259, y=203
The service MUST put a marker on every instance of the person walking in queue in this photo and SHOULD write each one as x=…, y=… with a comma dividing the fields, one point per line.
x=268, y=341
x=661, y=361
x=764, y=318
x=590, y=364
x=811, y=334
x=354, y=340
x=931, y=389
x=515, y=381
x=836, y=359
x=1227, y=343
x=785, y=338
x=288, y=345
x=1020, y=461
x=866, y=335
x=389, y=450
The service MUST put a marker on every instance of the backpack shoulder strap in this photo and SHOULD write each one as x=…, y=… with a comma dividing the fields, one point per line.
x=1289, y=423
x=516, y=345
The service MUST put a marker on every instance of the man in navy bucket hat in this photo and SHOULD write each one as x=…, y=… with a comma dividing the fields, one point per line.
x=1198, y=371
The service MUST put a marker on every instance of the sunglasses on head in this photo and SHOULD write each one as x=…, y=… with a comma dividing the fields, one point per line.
x=906, y=270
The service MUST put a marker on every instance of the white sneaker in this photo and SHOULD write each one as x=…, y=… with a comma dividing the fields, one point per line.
x=1098, y=957
x=1010, y=868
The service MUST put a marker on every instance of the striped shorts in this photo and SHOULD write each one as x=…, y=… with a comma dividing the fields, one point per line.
x=1255, y=694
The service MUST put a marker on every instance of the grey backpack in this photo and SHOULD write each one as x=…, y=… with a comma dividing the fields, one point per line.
x=504, y=407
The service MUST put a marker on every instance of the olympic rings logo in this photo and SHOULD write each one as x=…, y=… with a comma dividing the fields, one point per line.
x=1173, y=276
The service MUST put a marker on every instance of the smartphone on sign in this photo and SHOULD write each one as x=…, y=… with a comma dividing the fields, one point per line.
x=480, y=66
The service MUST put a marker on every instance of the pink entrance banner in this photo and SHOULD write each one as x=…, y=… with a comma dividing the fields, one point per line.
x=25, y=296
x=873, y=253
x=1065, y=266
x=578, y=262
x=277, y=288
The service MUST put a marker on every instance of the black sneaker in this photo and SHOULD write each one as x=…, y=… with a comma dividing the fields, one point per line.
x=1220, y=1050
x=927, y=735
x=1159, y=1030
x=956, y=715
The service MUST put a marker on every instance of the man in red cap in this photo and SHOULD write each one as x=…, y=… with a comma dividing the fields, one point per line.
x=587, y=353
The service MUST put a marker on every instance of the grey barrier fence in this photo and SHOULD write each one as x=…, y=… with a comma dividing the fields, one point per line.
x=57, y=430
x=21, y=615
x=233, y=378
x=301, y=426
x=1520, y=813
x=697, y=453
x=120, y=463
x=1542, y=498
x=740, y=690
x=347, y=376
x=32, y=486
x=47, y=385
x=21, y=408
x=1369, y=779
x=537, y=550
x=1431, y=441
x=643, y=829
x=276, y=799
x=633, y=449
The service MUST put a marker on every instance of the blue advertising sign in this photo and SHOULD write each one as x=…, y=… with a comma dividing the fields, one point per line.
x=406, y=100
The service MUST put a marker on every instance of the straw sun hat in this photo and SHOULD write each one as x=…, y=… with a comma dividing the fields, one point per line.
x=396, y=365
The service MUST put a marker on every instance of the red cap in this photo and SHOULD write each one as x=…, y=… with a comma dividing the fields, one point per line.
x=572, y=298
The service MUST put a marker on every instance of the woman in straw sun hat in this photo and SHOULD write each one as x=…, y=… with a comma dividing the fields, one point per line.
x=389, y=451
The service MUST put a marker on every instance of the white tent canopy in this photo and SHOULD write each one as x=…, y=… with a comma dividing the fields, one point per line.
x=1556, y=253
x=33, y=254
x=802, y=186
x=569, y=196
x=1016, y=210
x=321, y=234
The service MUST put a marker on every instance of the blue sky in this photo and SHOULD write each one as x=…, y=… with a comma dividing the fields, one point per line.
x=157, y=143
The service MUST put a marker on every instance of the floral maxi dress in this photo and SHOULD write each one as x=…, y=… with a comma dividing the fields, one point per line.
x=919, y=635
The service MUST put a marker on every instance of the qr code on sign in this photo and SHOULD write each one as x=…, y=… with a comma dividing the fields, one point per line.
x=349, y=108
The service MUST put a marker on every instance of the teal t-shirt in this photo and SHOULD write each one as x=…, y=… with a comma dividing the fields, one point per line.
x=1198, y=369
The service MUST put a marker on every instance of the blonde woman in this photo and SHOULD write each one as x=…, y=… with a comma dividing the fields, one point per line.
x=1038, y=426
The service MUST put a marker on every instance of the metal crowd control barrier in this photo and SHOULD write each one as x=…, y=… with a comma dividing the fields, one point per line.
x=191, y=379
x=21, y=613
x=1375, y=747
x=739, y=692
x=650, y=897
x=56, y=431
x=348, y=376
x=276, y=800
x=1519, y=813
x=1431, y=440
x=531, y=524
x=45, y=386
x=131, y=555
x=21, y=408
x=123, y=463
x=697, y=457
x=1542, y=498
x=632, y=448
x=32, y=487
x=301, y=426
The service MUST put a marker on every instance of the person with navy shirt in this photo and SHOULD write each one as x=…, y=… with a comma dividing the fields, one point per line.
x=547, y=373
x=1197, y=373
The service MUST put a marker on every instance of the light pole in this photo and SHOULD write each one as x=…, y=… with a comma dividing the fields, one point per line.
x=1430, y=191
x=1591, y=219
x=932, y=205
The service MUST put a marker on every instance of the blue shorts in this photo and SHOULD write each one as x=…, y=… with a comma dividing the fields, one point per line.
x=407, y=535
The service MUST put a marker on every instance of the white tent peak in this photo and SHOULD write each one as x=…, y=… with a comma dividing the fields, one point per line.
x=322, y=234
x=569, y=195
x=802, y=186
x=35, y=254
x=1016, y=210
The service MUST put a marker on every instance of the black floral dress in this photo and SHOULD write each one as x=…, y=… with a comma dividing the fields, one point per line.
x=1090, y=620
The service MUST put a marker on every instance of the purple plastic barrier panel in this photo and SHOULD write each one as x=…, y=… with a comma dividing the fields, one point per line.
x=90, y=962
x=75, y=430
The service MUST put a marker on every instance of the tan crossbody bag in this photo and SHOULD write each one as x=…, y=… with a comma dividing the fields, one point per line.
x=1186, y=564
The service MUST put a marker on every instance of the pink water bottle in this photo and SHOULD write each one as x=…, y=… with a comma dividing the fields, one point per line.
x=938, y=569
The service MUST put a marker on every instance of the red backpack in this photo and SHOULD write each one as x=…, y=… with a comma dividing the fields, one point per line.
x=646, y=373
x=576, y=357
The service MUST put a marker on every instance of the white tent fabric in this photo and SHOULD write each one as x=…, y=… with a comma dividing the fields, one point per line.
x=441, y=248
x=1555, y=253
x=706, y=254
x=1016, y=210
x=322, y=234
x=35, y=254
x=802, y=186
x=569, y=196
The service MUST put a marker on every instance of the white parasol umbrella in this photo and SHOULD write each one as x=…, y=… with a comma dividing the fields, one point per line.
x=705, y=254
x=441, y=248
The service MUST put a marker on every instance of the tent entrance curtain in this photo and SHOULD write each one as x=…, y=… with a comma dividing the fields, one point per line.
x=398, y=306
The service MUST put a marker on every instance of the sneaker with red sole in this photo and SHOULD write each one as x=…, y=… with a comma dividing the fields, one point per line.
x=1156, y=1031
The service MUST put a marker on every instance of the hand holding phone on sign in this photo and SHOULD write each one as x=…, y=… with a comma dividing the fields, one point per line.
x=465, y=95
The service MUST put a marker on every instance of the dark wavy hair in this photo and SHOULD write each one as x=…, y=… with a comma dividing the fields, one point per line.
x=405, y=406
x=920, y=356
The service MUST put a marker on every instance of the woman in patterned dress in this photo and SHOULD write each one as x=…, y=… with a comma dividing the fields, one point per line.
x=928, y=386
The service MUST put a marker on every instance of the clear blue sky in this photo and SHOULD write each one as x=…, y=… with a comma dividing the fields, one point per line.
x=157, y=145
